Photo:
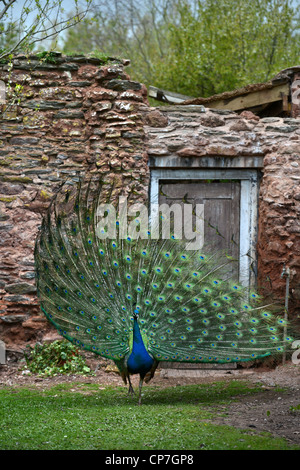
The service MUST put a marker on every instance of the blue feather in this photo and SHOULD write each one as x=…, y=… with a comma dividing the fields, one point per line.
x=89, y=286
x=139, y=361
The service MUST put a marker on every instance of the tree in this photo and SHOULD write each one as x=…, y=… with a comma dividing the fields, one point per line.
x=194, y=47
x=218, y=46
x=8, y=35
x=128, y=28
x=36, y=21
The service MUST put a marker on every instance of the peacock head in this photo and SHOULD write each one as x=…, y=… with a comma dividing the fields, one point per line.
x=136, y=311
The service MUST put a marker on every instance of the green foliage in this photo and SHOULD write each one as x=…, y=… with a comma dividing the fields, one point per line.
x=98, y=54
x=131, y=30
x=295, y=408
x=101, y=56
x=83, y=38
x=4, y=60
x=59, y=357
x=47, y=56
x=34, y=22
x=8, y=36
x=227, y=44
x=195, y=47
x=81, y=416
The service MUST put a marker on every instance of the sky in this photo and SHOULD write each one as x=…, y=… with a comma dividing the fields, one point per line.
x=68, y=6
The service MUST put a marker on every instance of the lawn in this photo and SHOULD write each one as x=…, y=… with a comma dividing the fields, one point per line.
x=88, y=417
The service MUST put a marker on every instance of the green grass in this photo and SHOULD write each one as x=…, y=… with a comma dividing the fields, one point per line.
x=84, y=417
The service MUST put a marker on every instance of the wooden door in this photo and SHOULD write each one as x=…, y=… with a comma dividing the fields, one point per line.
x=221, y=201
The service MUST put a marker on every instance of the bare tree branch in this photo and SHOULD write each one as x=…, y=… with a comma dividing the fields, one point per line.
x=6, y=7
x=38, y=30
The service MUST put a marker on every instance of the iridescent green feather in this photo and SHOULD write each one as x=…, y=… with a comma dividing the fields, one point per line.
x=189, y=311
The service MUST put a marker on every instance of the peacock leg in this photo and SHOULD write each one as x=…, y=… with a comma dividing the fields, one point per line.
x=140, y=390
x=130, y=389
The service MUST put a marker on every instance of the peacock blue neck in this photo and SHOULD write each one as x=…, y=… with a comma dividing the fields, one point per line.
x=139, y=361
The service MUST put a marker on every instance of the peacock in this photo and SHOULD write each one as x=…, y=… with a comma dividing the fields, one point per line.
x=139, y=300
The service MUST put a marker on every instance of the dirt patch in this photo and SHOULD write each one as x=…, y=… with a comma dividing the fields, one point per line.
x=277, y=412
x=274, y=410
x=104, y=373
x=268, y=411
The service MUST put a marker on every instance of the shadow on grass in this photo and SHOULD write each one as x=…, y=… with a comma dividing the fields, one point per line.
x=207, y=395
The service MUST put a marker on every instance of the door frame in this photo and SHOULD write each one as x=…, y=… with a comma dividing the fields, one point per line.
x=249, y=181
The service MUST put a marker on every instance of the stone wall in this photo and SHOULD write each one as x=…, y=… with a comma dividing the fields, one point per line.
x=81, y=115
x=197, y=137
x=74, y=115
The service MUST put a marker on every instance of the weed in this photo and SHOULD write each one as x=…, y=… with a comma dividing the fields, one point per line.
x=295, y=408
x=59, y=357
x=48, y=57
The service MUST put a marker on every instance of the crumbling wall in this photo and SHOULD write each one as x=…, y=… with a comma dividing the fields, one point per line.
x=279, y=208
x=74, y=115
x=80, y=115
x=201, y=138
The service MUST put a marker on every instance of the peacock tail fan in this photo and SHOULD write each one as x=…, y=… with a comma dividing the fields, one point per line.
x=189, y=309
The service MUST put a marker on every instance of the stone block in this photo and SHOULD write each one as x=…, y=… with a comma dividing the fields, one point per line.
x=98, y=94
x=42, y=105
x=24, y=140
x=69, y=115
x=13, y=318
x=123, y=85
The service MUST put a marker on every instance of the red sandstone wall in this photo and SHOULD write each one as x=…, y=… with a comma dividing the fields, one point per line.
x=279, y=213
x=272, y=144
x=74, y=115
x=81, y=115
